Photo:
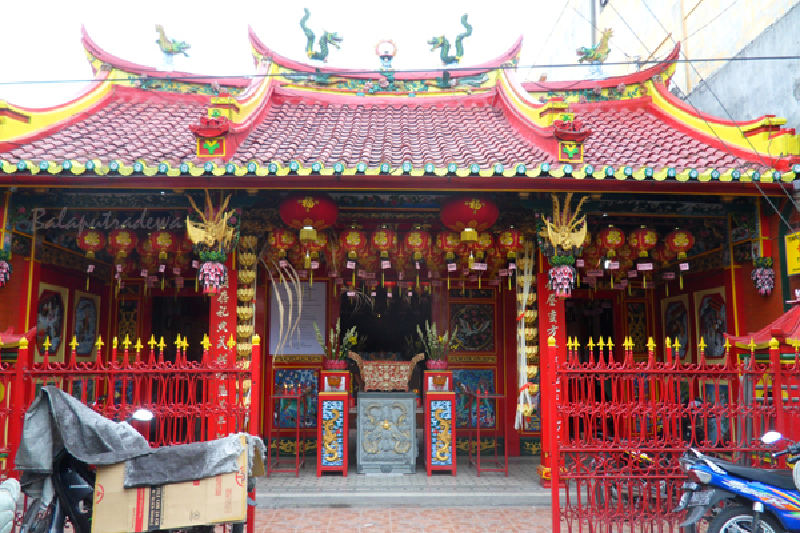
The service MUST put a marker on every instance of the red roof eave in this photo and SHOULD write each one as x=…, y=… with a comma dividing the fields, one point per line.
x=614, y=81
x=143, y=70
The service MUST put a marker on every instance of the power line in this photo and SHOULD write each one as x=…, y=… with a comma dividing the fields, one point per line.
x=378, y=72
x=710, y=127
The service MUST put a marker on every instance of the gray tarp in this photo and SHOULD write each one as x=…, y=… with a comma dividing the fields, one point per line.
x=56, y=420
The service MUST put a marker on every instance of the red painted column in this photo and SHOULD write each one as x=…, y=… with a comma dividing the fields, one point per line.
x=551, y=324
x=221, y=327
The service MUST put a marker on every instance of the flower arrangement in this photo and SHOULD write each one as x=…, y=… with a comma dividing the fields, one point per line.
x=763, y=275
x=437, y=346
x=337, y=345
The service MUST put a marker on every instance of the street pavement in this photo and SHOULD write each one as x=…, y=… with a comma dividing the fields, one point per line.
x=408, y=503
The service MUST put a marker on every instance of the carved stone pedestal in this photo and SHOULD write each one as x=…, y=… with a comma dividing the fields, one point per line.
x=387, y=433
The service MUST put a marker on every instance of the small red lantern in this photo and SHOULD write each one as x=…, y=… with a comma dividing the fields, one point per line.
x=282, y=240
x=610, y=240
x=469, y=215
x=418, y=243
x=91, y=241
x=679, y=242
x=145, y=247
x=163, y=242
x=309, y=213
x=354, y=243
x=122, y=242
x=448, y=242
x=511, y=242
x=642, y=240
x=313, y=250
x=384, y=240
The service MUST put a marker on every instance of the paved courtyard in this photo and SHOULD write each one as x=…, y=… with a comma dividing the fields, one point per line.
x=408, y=503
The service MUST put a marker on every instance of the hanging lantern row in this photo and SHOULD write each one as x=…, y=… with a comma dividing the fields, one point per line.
x=637, y=251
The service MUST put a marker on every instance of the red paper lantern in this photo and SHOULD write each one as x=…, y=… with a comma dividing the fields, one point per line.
x=354, y=242
x=163, y=242
x=679, y=242
x=282, y=240
x=91, y=241
x=642, y=240
x=511, y=242
x=610, y=240
x=469, y=215
x=309, y=213
x=384, y=240
x=122, y=242
x=662, y=254
x=418, y=243
x=145, y=247
x=448, y=242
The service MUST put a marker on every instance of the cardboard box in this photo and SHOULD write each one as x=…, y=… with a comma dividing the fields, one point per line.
x=212, y=500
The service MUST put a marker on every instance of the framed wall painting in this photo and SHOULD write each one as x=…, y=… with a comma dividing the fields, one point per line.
x=86, y=316
x=711, y=322
x=51, y=321
x=474, y=325
x=636, y=327
x=675, y=324
x=469, y=380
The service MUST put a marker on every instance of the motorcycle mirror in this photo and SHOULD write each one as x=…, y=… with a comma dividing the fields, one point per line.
x=142, y=415
x=771, y=437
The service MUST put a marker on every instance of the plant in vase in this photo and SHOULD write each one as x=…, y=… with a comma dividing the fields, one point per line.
x=437, y=346
x=337, y=346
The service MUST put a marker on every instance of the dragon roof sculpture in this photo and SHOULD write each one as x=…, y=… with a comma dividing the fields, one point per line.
x=443, y=44
x=332, y=38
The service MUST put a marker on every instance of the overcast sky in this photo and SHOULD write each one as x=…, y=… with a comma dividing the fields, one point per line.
x=41, y=39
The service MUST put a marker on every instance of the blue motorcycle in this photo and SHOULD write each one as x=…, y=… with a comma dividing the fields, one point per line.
x=740, y=499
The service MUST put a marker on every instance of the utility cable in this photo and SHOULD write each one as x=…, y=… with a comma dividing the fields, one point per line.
x=711, y=128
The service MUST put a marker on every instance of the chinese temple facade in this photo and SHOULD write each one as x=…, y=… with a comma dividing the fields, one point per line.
x=505, y=212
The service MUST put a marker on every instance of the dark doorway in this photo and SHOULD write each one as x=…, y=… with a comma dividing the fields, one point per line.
x=187, y=316
x=589, y=319
x=389, y=323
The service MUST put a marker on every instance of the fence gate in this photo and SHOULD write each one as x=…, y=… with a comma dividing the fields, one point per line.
x=617, y=428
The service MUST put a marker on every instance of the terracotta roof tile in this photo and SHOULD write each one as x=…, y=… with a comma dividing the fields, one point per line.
x=121, y=130
x=332, y=133
x=639, y=138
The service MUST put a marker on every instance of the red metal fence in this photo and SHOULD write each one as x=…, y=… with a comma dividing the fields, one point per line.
x=617, y=428
x=190, y=400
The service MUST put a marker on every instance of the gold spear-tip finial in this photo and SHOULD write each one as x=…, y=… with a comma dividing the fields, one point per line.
x=126, y=342
x=99, y=343
x=152, y=342
x=702, y=345
x=752, y=346
x=73, y=343
x=138, y=346
x=651, y=344
x=231, y=342
x=773, y=343
x=161, y=343
x=47, y=344
x=206, y=344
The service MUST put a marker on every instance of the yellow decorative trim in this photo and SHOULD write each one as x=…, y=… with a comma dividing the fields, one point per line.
x=297, y=359
x=43, y=119
x=733, y=134
x=486, y=359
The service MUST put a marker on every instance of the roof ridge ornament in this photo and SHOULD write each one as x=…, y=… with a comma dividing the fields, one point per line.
x=170, y=47
x=332, y=38
x=443, y=44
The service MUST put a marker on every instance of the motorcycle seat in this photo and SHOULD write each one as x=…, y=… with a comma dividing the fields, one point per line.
x=777, y=478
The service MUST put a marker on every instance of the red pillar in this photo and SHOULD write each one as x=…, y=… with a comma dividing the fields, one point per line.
x=552, y=323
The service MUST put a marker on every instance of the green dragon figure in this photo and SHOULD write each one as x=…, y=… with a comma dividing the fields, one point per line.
x=598, y=53
x=171, y=47
x=444, y=44
x=327, y=38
